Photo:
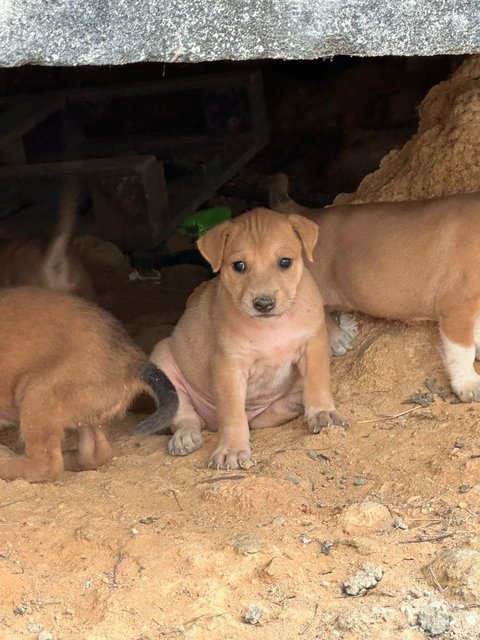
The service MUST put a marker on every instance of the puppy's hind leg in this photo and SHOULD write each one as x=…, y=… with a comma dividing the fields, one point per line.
x=94, y=450
x=42, y=431
x=459, y=351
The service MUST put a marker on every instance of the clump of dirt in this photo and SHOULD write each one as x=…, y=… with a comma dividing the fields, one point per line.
x=442, y=157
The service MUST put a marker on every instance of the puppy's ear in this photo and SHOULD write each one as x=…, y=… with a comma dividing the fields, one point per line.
x=307, y=231
x=212, y=244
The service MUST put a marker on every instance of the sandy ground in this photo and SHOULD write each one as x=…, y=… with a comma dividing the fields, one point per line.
x=153, y=546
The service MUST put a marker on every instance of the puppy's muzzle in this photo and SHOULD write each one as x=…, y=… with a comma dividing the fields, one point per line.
x=264, y=304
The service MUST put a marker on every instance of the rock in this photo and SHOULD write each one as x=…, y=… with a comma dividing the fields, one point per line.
x=34, y=627
x=434, y=618
x=253, y=614
x=367, y=578
x=457, y=571
x=365, y=515
x=66, y=34
x=44, y=635
x=247, y=543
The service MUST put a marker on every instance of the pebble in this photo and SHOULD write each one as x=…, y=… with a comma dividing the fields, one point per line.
x=34, y=627
x=312, y=454
x=247, y=543
x=44, y=635
x=358, y=482
x=278, y=521
x=304, y=539
x=327, y=546
x=400, y=524
x=293, y=479
x=434, y=618
x=253, y=614
x=464, y=488
x=367, y=578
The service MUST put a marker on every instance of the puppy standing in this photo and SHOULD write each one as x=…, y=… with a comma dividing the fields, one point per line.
x=251, y=348
x=67, y=364
x=48, y=262
x=415, y=260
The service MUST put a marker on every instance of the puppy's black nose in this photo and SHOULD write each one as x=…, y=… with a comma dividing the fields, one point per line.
x=264, y=304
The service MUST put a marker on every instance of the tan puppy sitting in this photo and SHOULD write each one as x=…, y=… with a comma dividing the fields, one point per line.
x=251, y=348
x=67, y=364
x=415, y=260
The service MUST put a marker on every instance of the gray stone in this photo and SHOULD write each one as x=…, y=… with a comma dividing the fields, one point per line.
x=367, y=578
x=62, y=32
x=434, y=618
x=247, y=543
x=253, y=615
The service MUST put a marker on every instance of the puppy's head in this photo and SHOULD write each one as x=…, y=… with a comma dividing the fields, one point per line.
x=259, y=255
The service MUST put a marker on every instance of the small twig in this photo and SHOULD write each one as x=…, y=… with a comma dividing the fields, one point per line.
x=8, y=504
x=120, y=557
x=431, y=539
x=219, y=478
x=206, y=616
x=474, y=456
x=174, y=494
x=437, y=584
x=309, y=624
x=398, y=415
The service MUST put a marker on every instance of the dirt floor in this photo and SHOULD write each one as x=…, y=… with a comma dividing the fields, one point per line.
x=153, y=546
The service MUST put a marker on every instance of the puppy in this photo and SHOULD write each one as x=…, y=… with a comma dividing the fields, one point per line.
x=44, y=262
x=251, y=347
x=67, y=364
x=405, y=261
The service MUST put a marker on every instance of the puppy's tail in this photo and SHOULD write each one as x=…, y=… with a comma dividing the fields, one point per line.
x=279, y=199
x=56, y=266
x=167, y=401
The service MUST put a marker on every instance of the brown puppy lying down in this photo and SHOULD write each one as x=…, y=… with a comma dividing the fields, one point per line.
x=415, y=260
x=251, y=348
x=67, y=364
x=47, y=262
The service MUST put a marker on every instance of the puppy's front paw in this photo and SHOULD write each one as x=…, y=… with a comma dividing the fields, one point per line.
x=321, y=419
x=229, y=458
x=468, y=391
x=185, y=441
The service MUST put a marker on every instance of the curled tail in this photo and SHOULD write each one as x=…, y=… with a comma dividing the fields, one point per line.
x=279, y=199
x=56, y=265
x=167, y=401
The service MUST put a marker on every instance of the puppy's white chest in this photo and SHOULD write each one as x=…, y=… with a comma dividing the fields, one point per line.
x=266, y=382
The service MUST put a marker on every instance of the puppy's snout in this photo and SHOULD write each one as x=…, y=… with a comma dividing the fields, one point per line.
x=264, y=304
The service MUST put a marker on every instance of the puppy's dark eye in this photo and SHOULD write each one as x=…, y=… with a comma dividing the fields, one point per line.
x=285, y=263
x=239, y=266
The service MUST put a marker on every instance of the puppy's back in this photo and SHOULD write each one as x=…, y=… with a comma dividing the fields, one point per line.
x=40, y=328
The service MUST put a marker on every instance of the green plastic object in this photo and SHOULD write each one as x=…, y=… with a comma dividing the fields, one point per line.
x=201, y=221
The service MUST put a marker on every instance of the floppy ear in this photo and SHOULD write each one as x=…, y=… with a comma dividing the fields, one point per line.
x=212, y=244
x=307, y=231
